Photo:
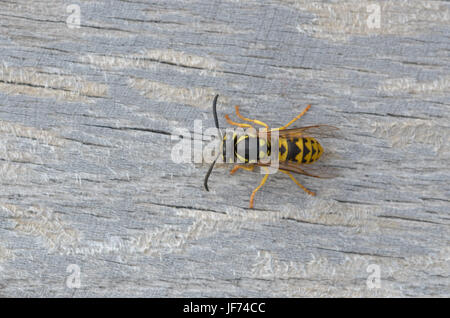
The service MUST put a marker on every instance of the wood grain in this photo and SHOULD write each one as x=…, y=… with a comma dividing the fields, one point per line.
x=86, y=175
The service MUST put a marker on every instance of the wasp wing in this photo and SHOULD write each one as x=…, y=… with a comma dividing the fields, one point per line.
x=321, y=131
x=316, y=171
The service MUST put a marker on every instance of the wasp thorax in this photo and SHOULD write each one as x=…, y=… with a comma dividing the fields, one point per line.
x=244, y=148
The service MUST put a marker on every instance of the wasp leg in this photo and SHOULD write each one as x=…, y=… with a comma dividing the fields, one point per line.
x=264, y=179
x=255, y=121
x=237, y=167
x=294, y=120
x=237, y=124
x=298, y=183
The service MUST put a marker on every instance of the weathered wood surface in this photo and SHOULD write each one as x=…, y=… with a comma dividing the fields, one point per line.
x=86, y=176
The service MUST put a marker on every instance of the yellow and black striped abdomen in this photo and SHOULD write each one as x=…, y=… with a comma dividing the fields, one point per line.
x=301, y=150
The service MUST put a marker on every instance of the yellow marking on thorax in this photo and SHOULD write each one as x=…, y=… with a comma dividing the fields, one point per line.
x=241, y=138
x=262, y=145
x=238, y=155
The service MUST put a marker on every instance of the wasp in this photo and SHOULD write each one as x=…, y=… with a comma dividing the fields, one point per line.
x=297, y=148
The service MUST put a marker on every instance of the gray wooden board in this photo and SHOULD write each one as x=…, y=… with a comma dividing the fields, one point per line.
x=91, y=203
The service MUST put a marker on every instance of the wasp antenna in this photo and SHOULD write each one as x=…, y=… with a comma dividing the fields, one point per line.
x=205, y=182
x=216, y=120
